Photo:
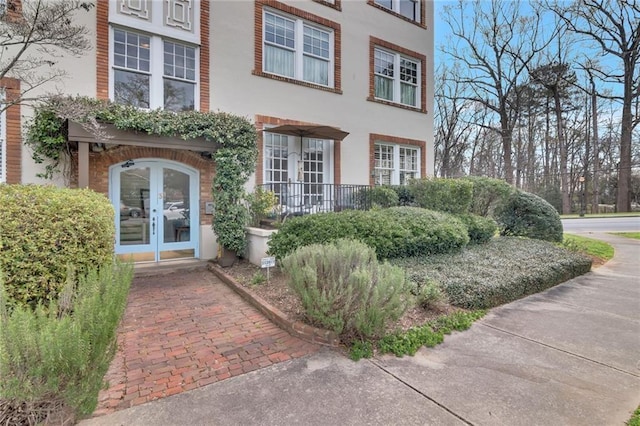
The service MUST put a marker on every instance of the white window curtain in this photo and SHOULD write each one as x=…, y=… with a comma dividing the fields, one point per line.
x=279, y=61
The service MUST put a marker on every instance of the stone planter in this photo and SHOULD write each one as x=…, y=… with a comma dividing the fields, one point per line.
x=257, y=243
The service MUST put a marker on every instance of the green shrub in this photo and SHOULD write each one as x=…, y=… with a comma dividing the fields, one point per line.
x=360, y=350
x=43, y=229
x=429, y=334
x=405, y=196
x=378, y=196
x=427, y=292
x=443, y=195
x=488, y=193
x=60, y=352
x=260, y=204
x=527, y=215
x=475, y=278
x=393, y=232
x=343, y=288
x=429, y=231
x=480, y=229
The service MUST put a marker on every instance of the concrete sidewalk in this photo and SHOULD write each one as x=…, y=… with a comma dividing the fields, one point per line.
x=567, y=356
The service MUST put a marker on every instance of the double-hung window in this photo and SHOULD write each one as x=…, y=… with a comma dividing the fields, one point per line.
x=408, y=8
x=297, y=49
x=152, y=72
x=396, y=78
x=395, y=164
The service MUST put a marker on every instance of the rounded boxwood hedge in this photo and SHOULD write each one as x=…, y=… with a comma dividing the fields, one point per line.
x=527, y=215
x=44, y=231
x=393, y=232
x=480, y=229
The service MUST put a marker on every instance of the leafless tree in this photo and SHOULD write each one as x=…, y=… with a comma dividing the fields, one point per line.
x=34, y=35
x=613, y=26
x=495, y=42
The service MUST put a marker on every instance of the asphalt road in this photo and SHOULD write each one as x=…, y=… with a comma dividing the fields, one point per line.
x=609, y=224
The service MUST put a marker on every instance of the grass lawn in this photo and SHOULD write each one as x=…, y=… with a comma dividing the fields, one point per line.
x=588, y=246
x=577, y=216
x=634, y=235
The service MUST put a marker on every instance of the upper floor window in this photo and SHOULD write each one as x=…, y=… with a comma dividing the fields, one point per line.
x=408, y=8
x=298, y=49
x=152, y=72
x=396, y=78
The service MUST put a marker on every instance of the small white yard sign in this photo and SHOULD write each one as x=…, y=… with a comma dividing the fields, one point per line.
x=268, y=262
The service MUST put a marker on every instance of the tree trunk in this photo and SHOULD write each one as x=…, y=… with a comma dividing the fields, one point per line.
x=564, y=175
x=595, y=206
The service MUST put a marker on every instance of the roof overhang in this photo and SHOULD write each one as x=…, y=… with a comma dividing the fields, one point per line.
x=77, y=133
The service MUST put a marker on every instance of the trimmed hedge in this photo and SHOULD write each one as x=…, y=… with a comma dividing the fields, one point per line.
x=443, y=195
x=480, y=229
x=378, y=196
x=488, y=193
x=527, y=215
x=477, y=277
x=393, y=232
x=43, y=231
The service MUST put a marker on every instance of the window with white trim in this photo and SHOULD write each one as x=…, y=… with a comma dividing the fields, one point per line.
x=396, y=78
x=152, y=72
x=395, y=164
x=297, y=49
x=407, y=8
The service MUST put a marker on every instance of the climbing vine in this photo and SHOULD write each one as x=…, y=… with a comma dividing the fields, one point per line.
x=233, y=147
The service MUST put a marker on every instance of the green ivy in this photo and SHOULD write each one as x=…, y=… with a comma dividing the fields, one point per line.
x=233, y=143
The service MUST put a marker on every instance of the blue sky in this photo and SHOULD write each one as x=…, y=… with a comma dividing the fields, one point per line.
x=442, y=30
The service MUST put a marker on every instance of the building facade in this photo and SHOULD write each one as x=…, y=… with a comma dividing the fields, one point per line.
x=363, y=66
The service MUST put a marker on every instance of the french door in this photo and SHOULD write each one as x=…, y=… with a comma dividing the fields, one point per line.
x=156, y=203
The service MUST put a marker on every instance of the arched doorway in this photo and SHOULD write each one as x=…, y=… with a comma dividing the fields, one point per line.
x=157, y=209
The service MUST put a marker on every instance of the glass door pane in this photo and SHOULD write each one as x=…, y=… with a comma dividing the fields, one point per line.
x=133, y=213
x=176, y=215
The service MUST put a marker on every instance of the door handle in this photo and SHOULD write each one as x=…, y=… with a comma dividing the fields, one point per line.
x=153, y=225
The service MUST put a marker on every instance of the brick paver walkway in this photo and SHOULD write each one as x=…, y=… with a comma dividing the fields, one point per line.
x=185, y=330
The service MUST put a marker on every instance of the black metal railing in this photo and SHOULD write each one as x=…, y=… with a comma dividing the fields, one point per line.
x=296, y=199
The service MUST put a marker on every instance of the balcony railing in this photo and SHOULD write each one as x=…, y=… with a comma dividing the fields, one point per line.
x=296, y=199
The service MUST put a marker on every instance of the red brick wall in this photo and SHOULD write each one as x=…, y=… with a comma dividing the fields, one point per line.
x=337, y=36
x=373, y=138
x=13, y=155
x=373, y=42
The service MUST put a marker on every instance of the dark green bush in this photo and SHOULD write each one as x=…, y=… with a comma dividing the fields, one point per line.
x=480, y=229
x=343, y=288
x=527, y=215
x=488, y=193
x=405, y=197
x=378, y=196
x=43, y=230
x=443, y=195
x=503, y=270
x=429, y=231
x=57, y=355
x=393, y=232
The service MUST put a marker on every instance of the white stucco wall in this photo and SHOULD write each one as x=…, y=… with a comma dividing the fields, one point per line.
x=80, y=80
x=235, y=89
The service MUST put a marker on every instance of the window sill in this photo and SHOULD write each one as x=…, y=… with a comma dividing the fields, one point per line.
x=334, y=5
x=397, y=105
x=397, y=15
x=298, y=82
